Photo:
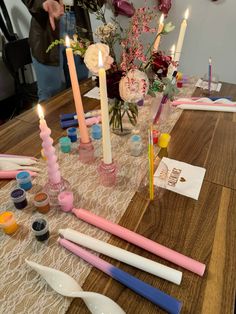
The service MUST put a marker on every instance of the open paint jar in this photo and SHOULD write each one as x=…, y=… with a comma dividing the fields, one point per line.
x=41, y=202
x=72, y=134
x=40, y=229
x=65, y=200
x=8, y=222
x=18, y=197
x=23, y=179
x=65, y=144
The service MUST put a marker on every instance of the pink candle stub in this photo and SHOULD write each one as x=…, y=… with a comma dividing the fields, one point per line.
x=65, y=200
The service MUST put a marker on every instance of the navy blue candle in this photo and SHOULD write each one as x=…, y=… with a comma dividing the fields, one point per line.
x=40, y=229
x=24, y=180
x=72, y=134
x=18, y=197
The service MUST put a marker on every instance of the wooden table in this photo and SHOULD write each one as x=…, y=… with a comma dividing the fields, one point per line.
x=204, y=230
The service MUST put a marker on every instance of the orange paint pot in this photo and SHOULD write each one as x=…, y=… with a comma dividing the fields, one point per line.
x=41, y=202
x=8, y=222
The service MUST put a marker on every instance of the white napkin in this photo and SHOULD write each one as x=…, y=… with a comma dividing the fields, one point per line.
x=93, y=93
x=204, y=85
x=179, y=177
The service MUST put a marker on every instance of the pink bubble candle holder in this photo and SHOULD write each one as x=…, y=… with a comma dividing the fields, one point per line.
x=86, y=152
x=107, y=174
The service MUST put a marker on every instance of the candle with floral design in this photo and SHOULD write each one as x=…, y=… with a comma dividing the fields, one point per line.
x=160, y=29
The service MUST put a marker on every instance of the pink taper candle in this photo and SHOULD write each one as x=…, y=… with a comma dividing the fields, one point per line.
x=84, y=136
x=139, y=240
x=49, y=151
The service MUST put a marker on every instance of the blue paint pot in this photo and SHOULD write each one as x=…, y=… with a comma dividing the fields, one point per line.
x=18, y=197
x=65, y=144
x=96, y=132
x=72, y=134
x=23, y=179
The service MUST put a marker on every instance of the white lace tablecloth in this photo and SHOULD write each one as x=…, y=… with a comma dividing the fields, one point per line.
x=21, y=289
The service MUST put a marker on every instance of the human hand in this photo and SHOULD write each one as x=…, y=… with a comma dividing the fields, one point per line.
x=55, y=10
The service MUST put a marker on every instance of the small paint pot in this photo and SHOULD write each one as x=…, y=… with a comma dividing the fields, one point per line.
x=43, y=155
x=65, y=144
x=40, y=229
x=156, y=135
x=96, y=132
x=179, y=84
x=72, y=134
x=41, y=202
x=18, y=197
x=8, y=222
x=23, y=179
x=65, y=200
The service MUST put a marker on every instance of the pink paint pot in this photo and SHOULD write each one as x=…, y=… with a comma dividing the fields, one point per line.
x=65, y=200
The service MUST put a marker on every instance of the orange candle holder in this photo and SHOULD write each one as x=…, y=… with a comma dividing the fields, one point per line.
x=8, y=222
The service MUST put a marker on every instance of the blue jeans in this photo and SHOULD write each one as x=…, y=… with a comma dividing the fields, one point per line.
x=53, y=79
x=49, y=80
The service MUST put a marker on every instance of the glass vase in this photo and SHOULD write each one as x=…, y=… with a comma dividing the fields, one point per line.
x=123, y=116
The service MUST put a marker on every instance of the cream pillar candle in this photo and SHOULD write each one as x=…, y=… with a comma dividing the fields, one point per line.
x=84, y=136
x=160, y=29
x=181, y=36
x=106, y=140
x=49, y=151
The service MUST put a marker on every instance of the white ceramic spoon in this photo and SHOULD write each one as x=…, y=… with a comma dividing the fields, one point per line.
x=68, y=287
x=8, y=165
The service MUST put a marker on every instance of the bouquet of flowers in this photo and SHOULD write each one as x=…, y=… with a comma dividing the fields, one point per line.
x=126, y=60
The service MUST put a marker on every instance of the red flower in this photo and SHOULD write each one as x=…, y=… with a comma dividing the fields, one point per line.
x=123, y=7
x=164, y=6
x=160, y=64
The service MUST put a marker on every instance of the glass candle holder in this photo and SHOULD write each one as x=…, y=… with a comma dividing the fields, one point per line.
x=8, y=222
x=40, y=229
x=86, y=152
x=72, y=134
x=41, y=202
x=65, y=144
x=23, y=179
x=18, y=197
x=107, y=174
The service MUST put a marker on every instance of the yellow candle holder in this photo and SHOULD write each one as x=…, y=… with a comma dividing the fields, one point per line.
x=8, y=222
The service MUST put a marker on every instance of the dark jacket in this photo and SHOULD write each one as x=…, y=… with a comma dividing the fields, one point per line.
x=41, y=34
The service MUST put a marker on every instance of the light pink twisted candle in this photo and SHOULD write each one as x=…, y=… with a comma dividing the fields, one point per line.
x=49, y=151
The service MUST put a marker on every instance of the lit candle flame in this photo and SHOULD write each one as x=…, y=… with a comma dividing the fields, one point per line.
x=40, y=111
x=100, y=61
x=67, y=40
x=186, y=14
x=210, y=60
x=161, y=19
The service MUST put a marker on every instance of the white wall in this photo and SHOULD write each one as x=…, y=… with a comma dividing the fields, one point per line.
x=210, y=32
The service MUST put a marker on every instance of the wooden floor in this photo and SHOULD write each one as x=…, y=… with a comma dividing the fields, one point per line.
x=204, y=230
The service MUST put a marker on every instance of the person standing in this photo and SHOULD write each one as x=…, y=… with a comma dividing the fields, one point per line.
x=51, y=19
